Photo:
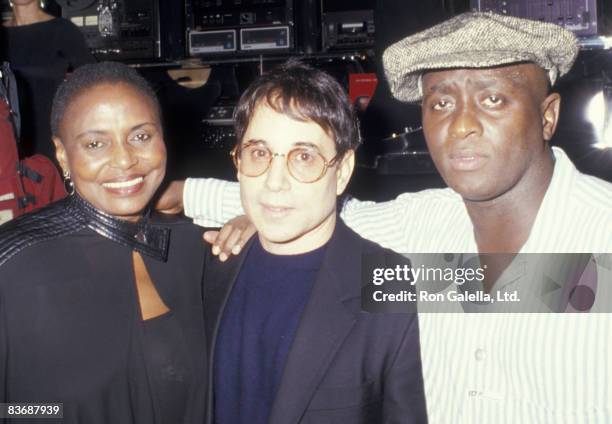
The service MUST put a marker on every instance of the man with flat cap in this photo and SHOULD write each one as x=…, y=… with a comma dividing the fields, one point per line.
x=484, y=82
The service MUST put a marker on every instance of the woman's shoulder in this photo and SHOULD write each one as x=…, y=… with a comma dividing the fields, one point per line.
x=187, y=248
x=21, y=233
x=64, y=31
x=48, y=34
x=180, y=226
x=44, y=25
x=57, y=22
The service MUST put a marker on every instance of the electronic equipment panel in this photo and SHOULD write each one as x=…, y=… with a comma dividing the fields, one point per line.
x=240, y=13
x=262, y=25
x=117, y=29
x=210, y=42
x=264, y=38
x=579, y=16
x=348, y=29
x=348, y=24
x=218, y=127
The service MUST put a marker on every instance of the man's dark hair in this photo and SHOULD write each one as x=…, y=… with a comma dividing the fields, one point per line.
x=88, y=76
x=303, y=93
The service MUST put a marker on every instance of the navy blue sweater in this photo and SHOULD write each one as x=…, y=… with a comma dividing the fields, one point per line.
x=257, y=329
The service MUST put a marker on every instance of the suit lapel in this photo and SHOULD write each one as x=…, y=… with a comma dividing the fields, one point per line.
x=325, y=323
x=219, y=280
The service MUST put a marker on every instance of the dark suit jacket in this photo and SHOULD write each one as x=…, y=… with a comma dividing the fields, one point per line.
x=345, y=366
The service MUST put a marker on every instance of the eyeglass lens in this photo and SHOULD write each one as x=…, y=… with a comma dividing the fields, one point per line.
x=305, y=164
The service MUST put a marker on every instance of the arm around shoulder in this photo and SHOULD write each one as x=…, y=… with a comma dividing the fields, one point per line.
x=384, y=223
x=211, y=202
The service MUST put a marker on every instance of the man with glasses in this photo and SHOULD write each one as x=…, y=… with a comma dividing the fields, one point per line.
x=289, y=342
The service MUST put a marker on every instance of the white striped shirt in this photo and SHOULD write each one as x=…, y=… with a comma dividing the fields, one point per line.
x=490, y=368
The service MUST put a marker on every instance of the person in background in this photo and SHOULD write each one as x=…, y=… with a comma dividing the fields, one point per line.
x=42, y=50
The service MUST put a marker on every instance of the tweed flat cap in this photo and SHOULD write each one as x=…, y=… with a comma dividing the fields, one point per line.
x=477, y=40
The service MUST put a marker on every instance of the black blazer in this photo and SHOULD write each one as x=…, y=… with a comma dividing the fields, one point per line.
x=345, y=366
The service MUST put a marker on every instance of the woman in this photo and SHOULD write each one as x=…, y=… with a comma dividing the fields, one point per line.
x=42, y=49
x=100, y=304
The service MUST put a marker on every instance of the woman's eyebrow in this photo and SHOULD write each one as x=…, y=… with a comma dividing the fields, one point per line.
x=103, y=132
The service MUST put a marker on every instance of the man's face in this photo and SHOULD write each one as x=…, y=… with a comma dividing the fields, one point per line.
x=291, y=217
x=485, y=128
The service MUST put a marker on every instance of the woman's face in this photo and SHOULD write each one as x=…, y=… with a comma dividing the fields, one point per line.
x=111, y=141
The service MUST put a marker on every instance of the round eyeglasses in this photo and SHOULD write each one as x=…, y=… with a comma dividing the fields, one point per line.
x=305, y=164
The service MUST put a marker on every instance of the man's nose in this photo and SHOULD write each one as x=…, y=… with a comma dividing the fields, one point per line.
x=465, y=122
x=277, y=176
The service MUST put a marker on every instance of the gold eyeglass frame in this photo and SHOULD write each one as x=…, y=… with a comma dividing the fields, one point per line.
x=326, y=164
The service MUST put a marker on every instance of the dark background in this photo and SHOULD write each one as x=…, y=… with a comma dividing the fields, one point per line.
x=393, y=158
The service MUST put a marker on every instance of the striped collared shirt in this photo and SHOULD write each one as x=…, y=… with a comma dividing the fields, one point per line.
x=489, y=368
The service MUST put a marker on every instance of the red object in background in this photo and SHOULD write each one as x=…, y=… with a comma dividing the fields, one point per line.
x=361, y=89
x=24, y=185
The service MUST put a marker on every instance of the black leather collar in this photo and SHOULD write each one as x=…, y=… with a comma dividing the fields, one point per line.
x=142, y=236
x=73, y=214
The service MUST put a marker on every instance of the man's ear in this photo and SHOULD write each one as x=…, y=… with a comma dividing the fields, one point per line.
x=550, y=115
x=344, y=171
x=60, y=154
